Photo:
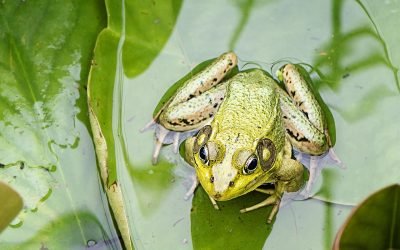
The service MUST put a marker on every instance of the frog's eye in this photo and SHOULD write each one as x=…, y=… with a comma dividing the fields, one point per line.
x=200, y=143
x=250, y=165
x=203, y=154
x=202, y=137
x=266, y=153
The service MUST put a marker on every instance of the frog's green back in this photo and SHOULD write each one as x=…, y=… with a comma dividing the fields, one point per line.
x=251, y=108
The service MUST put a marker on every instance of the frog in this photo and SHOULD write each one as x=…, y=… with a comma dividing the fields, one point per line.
x=244, y=127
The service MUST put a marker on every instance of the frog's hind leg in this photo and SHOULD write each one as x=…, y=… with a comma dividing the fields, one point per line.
x=193, y=104
x=304, y=118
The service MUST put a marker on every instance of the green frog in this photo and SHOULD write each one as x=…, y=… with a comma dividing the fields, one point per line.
x=246, y=127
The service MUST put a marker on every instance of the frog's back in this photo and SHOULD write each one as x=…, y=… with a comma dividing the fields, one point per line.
x=251, y=104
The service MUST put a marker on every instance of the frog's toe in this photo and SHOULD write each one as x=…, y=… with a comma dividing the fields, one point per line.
x=161, y=134
x=193, y=186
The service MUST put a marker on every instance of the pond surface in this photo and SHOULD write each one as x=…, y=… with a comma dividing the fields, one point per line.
x=359, y=83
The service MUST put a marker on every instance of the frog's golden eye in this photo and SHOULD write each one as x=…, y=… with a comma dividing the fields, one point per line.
x=200, y=144
x=202, y=137
x=266, y=153
x=251, y=165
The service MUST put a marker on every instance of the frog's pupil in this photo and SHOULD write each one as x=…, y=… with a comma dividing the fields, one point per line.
x=203, y=154
x=252, y=165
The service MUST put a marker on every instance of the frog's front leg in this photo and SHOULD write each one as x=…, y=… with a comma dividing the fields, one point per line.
x=194, y=103
x=289, y=178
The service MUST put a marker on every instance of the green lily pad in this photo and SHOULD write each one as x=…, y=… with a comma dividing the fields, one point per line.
x=46, y=151
x=374, y=224
x=227, y=228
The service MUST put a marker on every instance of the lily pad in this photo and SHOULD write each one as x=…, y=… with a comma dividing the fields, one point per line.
x=374, y=224
x=227, y=228
x=46, y=151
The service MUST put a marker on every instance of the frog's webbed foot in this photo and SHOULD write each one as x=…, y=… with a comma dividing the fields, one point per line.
x=193, y=186
x=273, y=199
x=190, y=192
x=315, y=164
x=165, y=136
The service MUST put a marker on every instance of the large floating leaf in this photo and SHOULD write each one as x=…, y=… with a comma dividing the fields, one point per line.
x=46, y=152
x=374, y=224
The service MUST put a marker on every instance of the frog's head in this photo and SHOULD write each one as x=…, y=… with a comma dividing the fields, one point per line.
x=230, y=165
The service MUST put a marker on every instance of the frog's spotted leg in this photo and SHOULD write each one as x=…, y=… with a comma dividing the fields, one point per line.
x=193, y=104
x=304, y=119
x=289, y=178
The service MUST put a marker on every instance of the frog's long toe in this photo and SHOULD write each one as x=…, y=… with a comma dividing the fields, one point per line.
x=214, y=203
x=161, y=134
x=195, y=183
x=271, y=200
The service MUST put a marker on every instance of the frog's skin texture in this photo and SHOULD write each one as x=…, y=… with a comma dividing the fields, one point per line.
x=247, y=127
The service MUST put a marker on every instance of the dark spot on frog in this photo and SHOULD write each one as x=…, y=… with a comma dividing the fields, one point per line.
x=231, y=183
x=212, y=179
x=221, y=98
x=293, y=93
x=215, y=105
x=305, y=113
x=259, y=127
x=2, y=165
x=237, y=137
x=184, y=121
x=297, y=136
x=211, y=115
x=191, y=96
x=215, y=79
x=230, y=63
x=285, y=117
x=22, y=165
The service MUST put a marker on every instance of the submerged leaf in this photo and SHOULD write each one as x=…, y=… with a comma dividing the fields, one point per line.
x=40, y=68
